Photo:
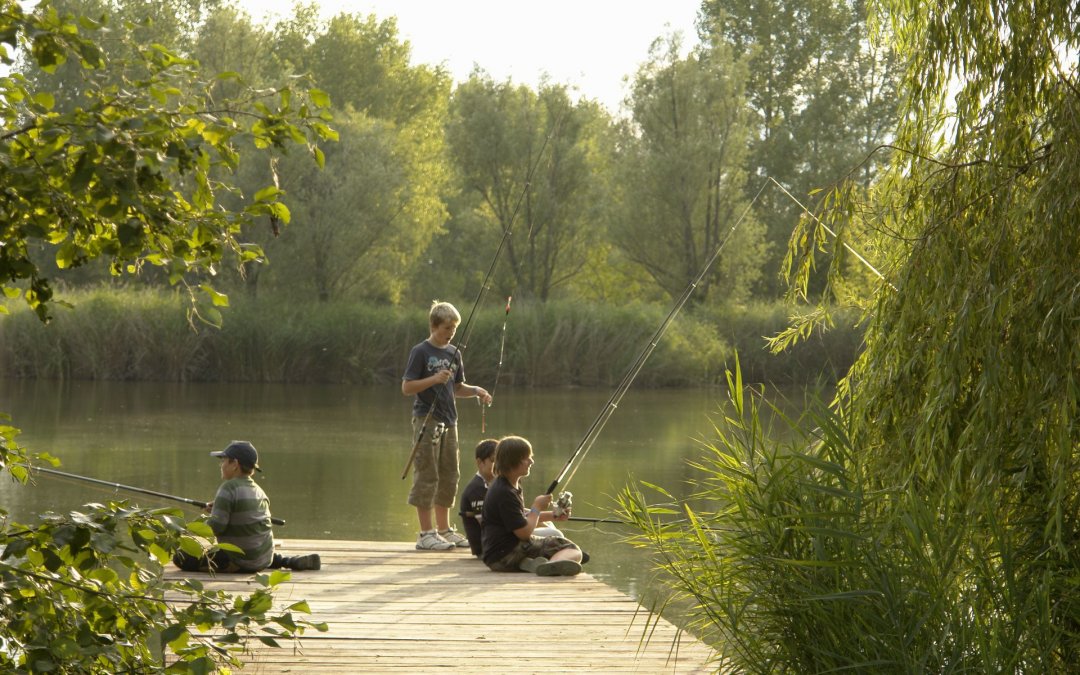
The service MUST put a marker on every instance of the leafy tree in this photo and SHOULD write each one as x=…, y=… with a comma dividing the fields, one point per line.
x=357, y=223
x=822, y=97
x=527, y=161
x=931, y=521
x=378, y=208
x=121, y=173
x=125, y=174
x=683, y=183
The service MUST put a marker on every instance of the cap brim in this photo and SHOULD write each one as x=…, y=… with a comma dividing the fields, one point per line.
x=217, y=453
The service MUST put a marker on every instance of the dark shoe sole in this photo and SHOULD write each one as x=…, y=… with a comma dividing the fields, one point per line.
x=559, y=568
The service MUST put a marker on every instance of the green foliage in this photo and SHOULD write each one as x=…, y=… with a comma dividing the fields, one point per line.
x=139, y=334
x=932, y=523
x=822, y=96
x=794, y=558
x=528, y=164
x=115, y=158
x=123, y=171
x=681, y=173
x=86, y=593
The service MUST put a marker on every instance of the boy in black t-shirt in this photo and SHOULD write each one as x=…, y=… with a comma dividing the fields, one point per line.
x=472, y=499
x=508, y=540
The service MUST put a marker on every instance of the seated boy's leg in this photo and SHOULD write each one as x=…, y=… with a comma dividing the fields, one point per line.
x=559, y=548
x=511, y=561
x=547, y=530
x=311, y=561
x=218, y=561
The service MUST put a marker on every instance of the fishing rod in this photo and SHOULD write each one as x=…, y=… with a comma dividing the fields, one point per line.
x=851, y=250
x=498, y=368
x=467, y=329
x=598, y=424
x=129, y=488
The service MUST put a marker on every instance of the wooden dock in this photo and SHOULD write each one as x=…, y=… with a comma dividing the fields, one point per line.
x=391, y=608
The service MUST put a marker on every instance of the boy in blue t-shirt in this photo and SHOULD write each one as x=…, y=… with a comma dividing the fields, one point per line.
x=435, y=375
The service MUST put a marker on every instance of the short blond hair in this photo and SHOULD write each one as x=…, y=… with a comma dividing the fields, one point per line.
x=443, y=312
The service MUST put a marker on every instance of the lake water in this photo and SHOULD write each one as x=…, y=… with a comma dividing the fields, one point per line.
x=333, y=456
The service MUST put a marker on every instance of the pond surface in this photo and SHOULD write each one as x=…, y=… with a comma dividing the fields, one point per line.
x=333, y=456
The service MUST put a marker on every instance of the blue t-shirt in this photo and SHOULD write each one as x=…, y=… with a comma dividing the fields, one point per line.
x=425, y=360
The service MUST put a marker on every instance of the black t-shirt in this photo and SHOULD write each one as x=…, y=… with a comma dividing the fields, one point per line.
x=425, y=360
x=504, y=512
x=472, y=501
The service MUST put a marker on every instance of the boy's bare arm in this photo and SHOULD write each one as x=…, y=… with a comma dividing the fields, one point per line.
x=413, y=387
x=462, y=390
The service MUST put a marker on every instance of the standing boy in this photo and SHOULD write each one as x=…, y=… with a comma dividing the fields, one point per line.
x=508, y=536
x=240, y=515
x=435, y=375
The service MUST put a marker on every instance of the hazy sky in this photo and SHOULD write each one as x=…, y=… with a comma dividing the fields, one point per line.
x=588, y=44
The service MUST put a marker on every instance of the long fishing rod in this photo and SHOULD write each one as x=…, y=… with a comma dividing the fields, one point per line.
x=129, y=488
x=598, y=424
x=850, y=249
x=498, y=368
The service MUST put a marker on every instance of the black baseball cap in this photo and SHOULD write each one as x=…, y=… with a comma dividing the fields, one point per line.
x=242, y=451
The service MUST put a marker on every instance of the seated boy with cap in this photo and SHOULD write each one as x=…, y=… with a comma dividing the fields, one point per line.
x=240, y=515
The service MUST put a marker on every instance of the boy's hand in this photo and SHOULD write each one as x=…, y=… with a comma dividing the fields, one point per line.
x=442, y=377
x=482, y=395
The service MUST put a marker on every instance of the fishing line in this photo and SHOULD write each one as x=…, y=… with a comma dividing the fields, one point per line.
x=851, y=250
x=130, y=488
x=598, y=424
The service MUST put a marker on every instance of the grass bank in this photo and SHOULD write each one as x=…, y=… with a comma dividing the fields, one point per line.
x=130, y=334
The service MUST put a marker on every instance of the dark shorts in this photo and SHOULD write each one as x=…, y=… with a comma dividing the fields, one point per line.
x=536, y=547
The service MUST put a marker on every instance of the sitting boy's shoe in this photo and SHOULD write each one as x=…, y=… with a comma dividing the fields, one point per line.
x=305, y=562
x=431, y=541
x=530, y=564
x=584, y=557
x=558, y=568
x=454, y=538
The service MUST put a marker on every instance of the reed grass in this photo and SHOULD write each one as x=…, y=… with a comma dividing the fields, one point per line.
x=793, y=558
x=141, y=334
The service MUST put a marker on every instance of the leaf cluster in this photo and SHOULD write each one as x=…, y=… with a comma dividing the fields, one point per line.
x=86, y=593
x=123, y=168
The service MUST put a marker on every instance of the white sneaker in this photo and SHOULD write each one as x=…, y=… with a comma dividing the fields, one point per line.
x=454, y=538
x=431, y=541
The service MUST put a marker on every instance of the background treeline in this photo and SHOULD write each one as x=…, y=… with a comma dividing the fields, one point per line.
x=593, y=206
x=144, y=335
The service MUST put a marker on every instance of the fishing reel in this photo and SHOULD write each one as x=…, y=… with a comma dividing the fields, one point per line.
x=437, y=431
x=563, y=504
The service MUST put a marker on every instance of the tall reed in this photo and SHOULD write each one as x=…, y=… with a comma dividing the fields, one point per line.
x=793, y=558
x=139, y=334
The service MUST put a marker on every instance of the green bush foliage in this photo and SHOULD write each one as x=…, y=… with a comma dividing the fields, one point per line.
x=85, y=592
x=130, y=333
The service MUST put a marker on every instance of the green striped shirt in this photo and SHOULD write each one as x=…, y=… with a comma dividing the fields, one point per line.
x=241, y=517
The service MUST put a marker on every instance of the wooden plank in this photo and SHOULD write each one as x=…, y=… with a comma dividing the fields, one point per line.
x=391, y=608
